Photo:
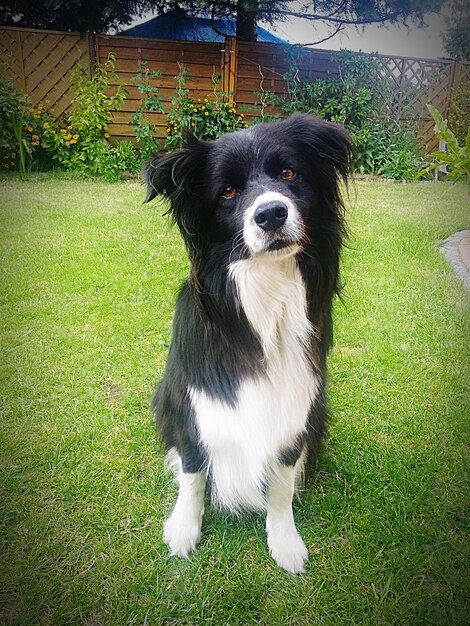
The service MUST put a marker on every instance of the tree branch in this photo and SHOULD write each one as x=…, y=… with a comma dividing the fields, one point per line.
x=339, y=28
x=317, y=17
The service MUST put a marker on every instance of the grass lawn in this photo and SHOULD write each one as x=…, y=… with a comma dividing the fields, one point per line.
x=89, y=276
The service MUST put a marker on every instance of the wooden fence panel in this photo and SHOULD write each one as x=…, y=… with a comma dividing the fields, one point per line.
x=203, y=61
x=39, y=63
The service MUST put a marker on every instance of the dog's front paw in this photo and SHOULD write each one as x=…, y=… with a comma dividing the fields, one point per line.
x=181, y=534
x=288, y=550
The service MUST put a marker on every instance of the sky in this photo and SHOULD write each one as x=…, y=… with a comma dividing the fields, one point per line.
x=394, y=40
x=412, y=41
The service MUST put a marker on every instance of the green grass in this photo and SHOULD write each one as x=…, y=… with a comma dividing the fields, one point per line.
x=89, y=276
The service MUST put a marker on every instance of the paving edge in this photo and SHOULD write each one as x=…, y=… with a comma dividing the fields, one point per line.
x=450, y=248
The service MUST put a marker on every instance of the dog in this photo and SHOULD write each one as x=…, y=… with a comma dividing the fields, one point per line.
x=241, y=404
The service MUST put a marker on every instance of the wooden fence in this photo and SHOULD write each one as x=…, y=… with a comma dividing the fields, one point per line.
x=39, y=64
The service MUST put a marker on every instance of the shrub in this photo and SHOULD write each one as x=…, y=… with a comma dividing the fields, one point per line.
x=15, y=140
x=459, y=113
x=116, y=160
x=387, y=148
x=206, y=119
x=382, y=146
x=78, y=140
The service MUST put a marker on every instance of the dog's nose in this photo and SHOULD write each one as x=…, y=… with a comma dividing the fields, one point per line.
x=271, y=215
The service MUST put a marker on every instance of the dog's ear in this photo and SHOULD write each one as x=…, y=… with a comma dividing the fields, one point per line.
x=174, y=174
x=327, y=143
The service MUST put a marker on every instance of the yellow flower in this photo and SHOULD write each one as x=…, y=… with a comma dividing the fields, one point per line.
x=62, y=130
x=75, y=137
x=34, y=137
x=206, y=113
x=46, y=125
x=35, y=143
x=29, y=129
x=68, y=137
x=28, y=150
x=206, y=100
x=67, y=143
x=69, y=127
x=168, y=130
x=73, y=141
x=106, y=135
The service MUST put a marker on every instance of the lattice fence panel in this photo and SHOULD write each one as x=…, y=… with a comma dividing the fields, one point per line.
x=39, y=63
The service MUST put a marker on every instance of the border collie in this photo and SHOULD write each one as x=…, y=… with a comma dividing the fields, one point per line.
x=242, y=400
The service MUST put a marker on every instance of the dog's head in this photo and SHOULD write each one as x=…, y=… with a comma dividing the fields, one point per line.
x=271, y=189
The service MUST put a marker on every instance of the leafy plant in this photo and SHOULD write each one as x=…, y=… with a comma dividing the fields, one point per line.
x=206, y=119
x=118, y=159
x=78, y=140
x=455, y=157
x=14, y=144
x=142, y=124
x=459, y=112
x=386, y=148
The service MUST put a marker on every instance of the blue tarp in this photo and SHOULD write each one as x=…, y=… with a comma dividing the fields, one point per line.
x=177, y=25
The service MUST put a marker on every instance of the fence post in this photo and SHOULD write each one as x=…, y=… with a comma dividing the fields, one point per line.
x=92, y=44
x=229, y=67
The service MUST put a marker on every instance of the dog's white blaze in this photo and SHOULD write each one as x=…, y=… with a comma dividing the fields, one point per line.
x=254, y=236
x=244, y=442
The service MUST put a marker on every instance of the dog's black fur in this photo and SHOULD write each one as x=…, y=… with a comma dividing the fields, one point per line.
x=213, y=345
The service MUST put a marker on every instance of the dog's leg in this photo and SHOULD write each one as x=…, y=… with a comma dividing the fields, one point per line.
x=285, y=544
x=183, y=528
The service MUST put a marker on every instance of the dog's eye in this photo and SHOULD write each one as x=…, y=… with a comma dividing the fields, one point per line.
x=287, y=174
x=230, y=192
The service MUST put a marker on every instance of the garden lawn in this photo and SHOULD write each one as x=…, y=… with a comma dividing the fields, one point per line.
x=89, y=276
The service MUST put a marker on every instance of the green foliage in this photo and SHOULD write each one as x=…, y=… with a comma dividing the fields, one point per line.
x=94, y=101
x=459, y=112
x=22, y=130
x=71, y=15
x=78, y=140
x=457, y=37
x=118, y=159
x=455, y=157
x=386, y=148
x=206, y=119
x=151, y=102
x=12, y=103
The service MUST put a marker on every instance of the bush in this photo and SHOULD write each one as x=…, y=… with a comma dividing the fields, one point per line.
x=459, y=113
x=12, y=103
x=206, y=119
x=78, y=140
x=386, y=148
x=382, y=146
x=117, y=160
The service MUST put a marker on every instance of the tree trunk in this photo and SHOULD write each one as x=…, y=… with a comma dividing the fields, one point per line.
x=247, y=13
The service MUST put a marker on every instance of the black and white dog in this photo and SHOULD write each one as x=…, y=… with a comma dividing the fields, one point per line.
x=242, y=401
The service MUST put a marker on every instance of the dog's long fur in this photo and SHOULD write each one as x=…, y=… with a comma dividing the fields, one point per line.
x=242, y=400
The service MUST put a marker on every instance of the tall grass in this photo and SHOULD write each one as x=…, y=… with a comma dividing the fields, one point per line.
x=89, y=276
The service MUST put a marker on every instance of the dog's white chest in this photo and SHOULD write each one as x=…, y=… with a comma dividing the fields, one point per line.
x=243, y=442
